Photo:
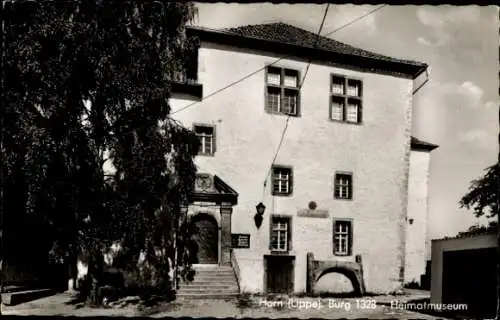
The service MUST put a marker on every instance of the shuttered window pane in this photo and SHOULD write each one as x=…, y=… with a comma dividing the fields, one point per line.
x=290, y=103
x=338, y=86
x=208, y=145
x=274, y=78
x=352, y=111
x=337, y=110
x=273, y=100
x=291, y=81
x=354, y=88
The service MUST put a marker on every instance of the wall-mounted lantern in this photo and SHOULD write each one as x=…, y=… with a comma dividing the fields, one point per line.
x=261, y=208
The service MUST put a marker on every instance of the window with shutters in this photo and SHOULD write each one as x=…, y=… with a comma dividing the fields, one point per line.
x=282, y=91
x=342, y=237
x=343, y=186
x=206, y=134
x=282, y=180
x=280, y=239
x=346, y=99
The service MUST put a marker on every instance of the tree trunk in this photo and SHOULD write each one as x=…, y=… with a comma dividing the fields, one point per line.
x=94, y=274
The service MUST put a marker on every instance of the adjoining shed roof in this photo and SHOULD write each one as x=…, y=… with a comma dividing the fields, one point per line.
x=285, y=34
x=417, y=144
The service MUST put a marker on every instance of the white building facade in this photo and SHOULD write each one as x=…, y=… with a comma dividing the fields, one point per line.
x=347, y=177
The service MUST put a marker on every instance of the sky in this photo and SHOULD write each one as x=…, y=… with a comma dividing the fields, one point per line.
x=457, y=109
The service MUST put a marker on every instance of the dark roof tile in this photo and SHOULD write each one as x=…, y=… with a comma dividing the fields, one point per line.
x=288, y=34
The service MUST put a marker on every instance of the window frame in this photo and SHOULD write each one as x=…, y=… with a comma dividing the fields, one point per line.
x=350, y=186
x=349, y=239
x=290, y=181
x=289, y=232
x=282, y=88
x=345, y=97
x=214, y=138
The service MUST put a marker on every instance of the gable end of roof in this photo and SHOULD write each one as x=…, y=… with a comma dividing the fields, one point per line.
x=301, y=42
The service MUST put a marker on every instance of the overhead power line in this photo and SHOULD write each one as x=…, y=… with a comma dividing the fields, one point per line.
x=274, y=62
x=300, y=89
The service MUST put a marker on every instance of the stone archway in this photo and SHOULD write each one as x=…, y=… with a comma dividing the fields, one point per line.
x=347, y=273
x=352, y=270
x=205, y=239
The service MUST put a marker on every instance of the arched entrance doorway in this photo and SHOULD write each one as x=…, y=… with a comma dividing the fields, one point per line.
x=205, y=239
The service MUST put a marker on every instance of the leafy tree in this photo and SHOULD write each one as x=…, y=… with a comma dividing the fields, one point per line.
x=484, y=199
x=483, y=195
x=86, y=85
x=474, y=230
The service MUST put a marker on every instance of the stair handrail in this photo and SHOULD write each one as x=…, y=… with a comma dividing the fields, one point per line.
x=236, y=268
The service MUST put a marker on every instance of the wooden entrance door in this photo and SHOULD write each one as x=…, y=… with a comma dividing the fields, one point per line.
x=279, y=274
x=206, y=238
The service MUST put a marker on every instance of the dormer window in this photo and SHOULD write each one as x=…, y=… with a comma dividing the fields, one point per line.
x=282, y=91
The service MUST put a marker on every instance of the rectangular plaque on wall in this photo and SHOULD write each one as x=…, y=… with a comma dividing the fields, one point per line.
x=240, y=240
x=313, y=213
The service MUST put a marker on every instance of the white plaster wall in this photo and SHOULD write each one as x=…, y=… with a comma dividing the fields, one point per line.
x=377, y=152
x=416, y=233
x=442, y=245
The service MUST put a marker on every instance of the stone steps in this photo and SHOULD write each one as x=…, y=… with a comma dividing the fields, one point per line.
x=21, y=296
x=210, y=282
x=217, y=296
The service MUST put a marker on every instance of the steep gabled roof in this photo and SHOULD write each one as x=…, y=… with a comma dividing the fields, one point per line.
x=285, y=34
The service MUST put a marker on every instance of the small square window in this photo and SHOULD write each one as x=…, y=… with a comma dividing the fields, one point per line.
x=206, y=134
x=342, y=238
x=282, y=181
x=280, y=238
x=343, y=186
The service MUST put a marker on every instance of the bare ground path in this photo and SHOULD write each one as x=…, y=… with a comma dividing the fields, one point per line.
x=59, y=305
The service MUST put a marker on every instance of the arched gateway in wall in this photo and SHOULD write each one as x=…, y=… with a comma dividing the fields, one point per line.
x=352, y=270
x=209, y=214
